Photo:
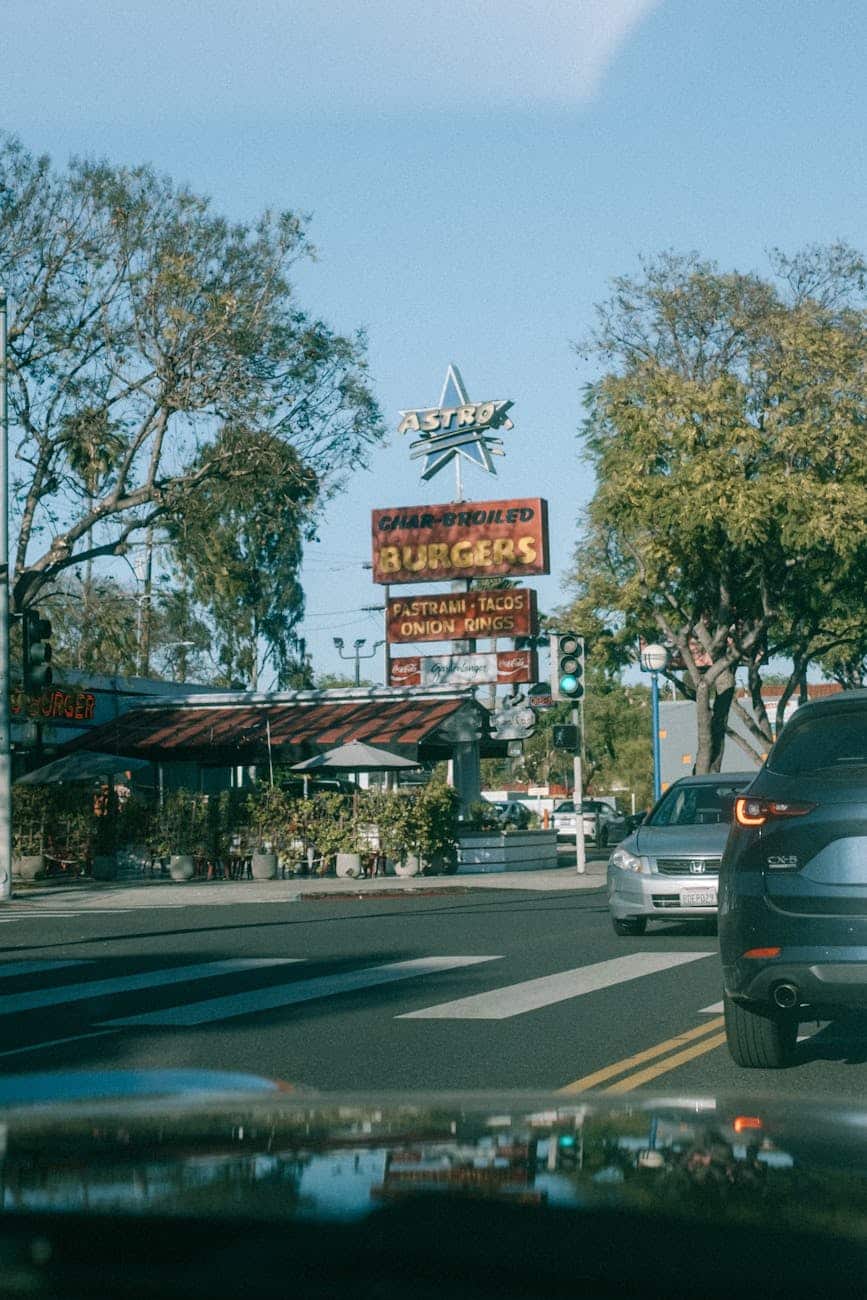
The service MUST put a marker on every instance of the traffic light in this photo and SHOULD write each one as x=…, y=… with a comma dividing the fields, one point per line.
x=567, y=666
x=566, y=737
x=37, y=651
x=567, y=1151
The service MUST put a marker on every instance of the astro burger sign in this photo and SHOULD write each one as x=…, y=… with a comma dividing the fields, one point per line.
x=480, y=539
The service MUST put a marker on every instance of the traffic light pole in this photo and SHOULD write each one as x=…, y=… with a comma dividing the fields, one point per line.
x=578, y=800
x=5, y=730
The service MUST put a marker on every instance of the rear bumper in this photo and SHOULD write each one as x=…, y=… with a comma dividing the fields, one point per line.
x=824, y=956
x=821, y=983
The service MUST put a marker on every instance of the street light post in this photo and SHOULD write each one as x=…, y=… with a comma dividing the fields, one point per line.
x=653, y=660
x=356, y=653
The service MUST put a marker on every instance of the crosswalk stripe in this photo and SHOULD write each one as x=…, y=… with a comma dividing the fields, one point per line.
x=516, y=999
x=8, y=969
x=152, y=979
x=55, y=1042
x=43, y=914
x=268, y=999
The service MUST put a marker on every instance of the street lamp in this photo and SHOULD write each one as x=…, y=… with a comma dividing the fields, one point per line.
x=356, y=653
x=653, y=660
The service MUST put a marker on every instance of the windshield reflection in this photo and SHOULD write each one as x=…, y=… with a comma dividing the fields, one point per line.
x=345, y=1163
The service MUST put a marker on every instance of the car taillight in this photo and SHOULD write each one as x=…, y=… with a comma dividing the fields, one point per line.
x=755, y=812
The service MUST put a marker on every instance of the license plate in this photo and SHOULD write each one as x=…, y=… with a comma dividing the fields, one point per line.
x=699, y=898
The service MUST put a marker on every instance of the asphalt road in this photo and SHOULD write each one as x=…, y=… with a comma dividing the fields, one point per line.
x=486, y=989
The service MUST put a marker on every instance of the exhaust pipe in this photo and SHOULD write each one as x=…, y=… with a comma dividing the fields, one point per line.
x=786, y=996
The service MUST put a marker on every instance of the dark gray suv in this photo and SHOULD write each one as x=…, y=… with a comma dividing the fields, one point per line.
x=793, y=884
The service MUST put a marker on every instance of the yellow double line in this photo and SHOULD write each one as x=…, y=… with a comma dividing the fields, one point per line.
x=680, y=1054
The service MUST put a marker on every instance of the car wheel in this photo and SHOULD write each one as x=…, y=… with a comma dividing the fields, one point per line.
x=759, y=1037
x=629, y=924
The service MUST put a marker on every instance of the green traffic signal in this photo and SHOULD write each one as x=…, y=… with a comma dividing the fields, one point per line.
x=567, y=666
x=37, y=651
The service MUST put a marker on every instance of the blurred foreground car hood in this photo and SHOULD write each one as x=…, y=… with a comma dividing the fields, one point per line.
x=182, y=1142
x=174, y=1189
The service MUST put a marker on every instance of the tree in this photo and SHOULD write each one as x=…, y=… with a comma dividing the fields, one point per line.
x=97, y=628
x=157, y=353
x=727, y=440
x=239, y=550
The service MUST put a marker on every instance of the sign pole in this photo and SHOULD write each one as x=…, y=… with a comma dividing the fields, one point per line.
x=578, y=800
x=5, y=730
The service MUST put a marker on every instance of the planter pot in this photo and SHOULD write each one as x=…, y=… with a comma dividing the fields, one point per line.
x=29, y=867
x=349, y=864
x=181, y=866
x=104, y=866
x=264, y=866
x=409, y=865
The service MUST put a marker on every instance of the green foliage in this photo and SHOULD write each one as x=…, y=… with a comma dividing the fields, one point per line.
x=239, y=549
x=161, y=367
x=726, y=437
x=180, y=826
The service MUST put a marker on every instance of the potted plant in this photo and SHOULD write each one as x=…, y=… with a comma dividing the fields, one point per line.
x=179, y=833
x=270, y=819
x=330, y=828
x=30, y=808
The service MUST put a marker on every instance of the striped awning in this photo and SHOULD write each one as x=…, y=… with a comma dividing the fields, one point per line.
x=238, y=733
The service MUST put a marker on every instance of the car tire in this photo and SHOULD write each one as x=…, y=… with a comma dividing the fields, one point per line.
x=758, y=1037
x=624, y=925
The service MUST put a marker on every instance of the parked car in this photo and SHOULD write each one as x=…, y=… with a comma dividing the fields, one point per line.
x=512, y=814
x=602, y=823
x=793, y=908
x=668, y=868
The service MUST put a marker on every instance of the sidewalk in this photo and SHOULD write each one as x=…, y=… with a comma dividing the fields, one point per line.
x=90, y=895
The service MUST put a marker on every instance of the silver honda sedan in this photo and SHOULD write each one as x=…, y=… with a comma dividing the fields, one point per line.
x=667, y=869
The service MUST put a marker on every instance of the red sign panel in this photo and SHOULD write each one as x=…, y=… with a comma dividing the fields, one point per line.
x=462, y=615
x=504, y=668
x=482, y=539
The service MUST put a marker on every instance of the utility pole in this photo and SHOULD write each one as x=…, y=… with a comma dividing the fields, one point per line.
x=578, y=797
x=5, y=730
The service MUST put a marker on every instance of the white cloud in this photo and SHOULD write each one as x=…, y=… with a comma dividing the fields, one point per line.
x=136, y=58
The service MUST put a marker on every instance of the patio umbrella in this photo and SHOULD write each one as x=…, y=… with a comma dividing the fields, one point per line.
x=355, y=756
x=83, y=765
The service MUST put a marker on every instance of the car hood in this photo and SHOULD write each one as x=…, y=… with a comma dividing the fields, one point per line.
x=182, y=1147
x=183, y=1194
x=680, y=841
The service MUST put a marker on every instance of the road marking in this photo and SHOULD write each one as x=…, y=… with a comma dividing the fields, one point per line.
x=55, y=1042
x=715, y=1009
x=516, y=999
x=8, y=969
x=630, y=1062
x=246, y=1004
x=15, y=1002
x=38, y=913
x=670, y=1063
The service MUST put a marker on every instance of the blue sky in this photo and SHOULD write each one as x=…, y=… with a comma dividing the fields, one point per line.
x=476, y=174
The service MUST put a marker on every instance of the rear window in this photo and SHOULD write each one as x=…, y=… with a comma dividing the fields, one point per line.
x=831, y=741
x=567, y=806
x=696, y=805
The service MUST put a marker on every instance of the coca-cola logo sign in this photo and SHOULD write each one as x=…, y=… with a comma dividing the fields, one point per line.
x=405, y=672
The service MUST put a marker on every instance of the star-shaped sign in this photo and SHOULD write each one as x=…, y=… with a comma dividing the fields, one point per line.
x=457, y=427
